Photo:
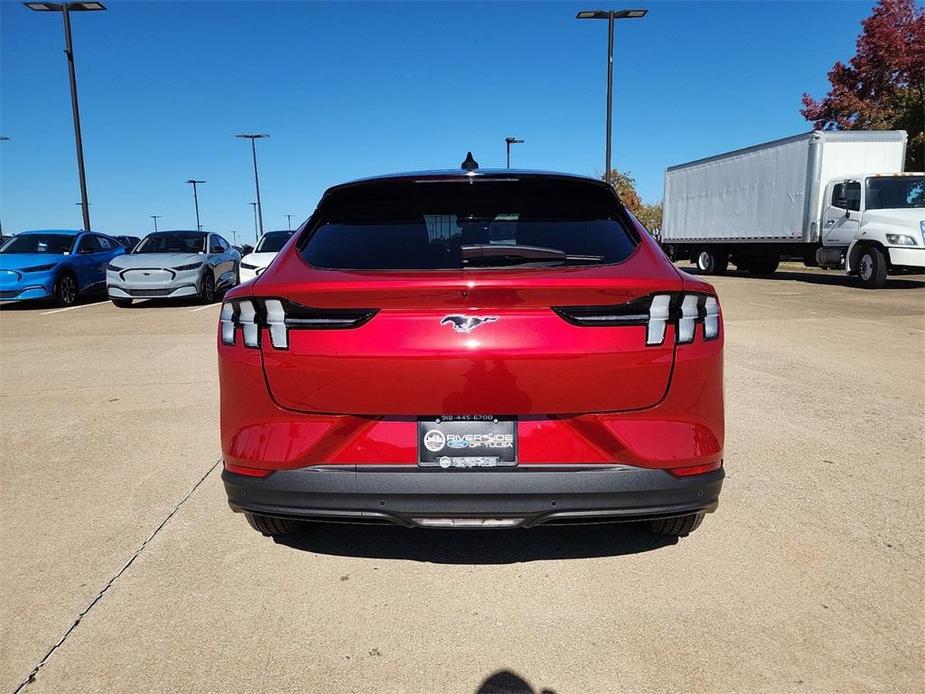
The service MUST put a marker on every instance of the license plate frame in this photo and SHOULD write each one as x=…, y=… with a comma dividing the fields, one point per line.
x=467, y=441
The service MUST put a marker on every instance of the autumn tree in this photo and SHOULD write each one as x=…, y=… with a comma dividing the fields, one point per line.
x=883, y=85
x=651, y=217
x=625, y=185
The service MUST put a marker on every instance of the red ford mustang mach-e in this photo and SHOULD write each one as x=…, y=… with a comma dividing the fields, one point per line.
x=472, y=348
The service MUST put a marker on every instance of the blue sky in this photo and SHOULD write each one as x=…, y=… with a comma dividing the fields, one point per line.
x=354, y=89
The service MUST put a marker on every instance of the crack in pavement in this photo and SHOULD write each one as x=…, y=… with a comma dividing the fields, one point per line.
x=35, y=671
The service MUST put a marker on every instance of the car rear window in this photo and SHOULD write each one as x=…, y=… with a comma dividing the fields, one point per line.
x=441, y=224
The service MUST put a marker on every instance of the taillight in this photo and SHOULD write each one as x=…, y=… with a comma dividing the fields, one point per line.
x=655, y=312
x=279, y=316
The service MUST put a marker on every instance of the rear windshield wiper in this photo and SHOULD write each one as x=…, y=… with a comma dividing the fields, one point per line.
x=513, y=254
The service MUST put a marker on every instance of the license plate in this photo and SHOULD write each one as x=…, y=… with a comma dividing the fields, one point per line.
x=467, y=441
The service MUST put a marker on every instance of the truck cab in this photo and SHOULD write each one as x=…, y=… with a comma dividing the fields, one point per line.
x=874, y=224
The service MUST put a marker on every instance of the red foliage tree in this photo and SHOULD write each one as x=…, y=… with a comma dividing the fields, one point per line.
x=883, y=86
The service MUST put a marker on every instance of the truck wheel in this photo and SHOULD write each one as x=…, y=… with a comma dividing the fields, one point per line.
x=676, y=527
x=274, y=527
x=764, y=266
x=872, y=268
x=712, y=262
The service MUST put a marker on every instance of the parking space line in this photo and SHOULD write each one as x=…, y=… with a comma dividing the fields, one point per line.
x=71, y=308
x=202, y=308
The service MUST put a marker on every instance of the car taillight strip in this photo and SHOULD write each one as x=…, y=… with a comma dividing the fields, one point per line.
x=279, y=316
x=655, y=311
x=659, y=315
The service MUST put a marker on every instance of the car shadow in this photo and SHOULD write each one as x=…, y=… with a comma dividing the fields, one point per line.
x=183, y=302
x=508, y=682
x=476, y=546
x=46, y=304
x=190, y=302
x=834, y=279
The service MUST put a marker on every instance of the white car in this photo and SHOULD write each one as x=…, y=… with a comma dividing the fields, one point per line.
x=269, y=245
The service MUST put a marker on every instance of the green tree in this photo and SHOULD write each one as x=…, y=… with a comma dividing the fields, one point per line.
x=883, y=85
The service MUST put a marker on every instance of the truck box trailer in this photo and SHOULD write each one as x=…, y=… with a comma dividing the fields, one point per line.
x=832, y=198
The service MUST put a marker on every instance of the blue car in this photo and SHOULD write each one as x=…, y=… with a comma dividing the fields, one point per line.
x=57, y=264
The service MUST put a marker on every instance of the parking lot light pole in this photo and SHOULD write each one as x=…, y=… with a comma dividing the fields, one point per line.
x=196, y=201
x=610, y=16
x=155, y=217
x=256, y=230
x=253, y=138
x=3, y=138
x=289, y=221
x=65, y=8
x=511, y=141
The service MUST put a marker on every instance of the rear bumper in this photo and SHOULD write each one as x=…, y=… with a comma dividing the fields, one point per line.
x=521, y=497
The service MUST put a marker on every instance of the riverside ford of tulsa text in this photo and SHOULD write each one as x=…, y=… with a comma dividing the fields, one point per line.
x=472, y=348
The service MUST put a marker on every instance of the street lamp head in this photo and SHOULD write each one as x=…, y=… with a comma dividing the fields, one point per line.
x=193, y=180
x=617, y=14
x=254, y=136
x=59, y=6
x=3, y=138
x=513, y=141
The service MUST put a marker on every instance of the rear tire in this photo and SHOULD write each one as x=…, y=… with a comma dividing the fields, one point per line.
x=872, y=268
x=65, y=289
x=274, y=527
x=712, y=262
x=121, y=303
x=764, y=266
x=676, y=527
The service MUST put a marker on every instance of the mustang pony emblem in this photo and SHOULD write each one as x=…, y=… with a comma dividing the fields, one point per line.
x=466, y=324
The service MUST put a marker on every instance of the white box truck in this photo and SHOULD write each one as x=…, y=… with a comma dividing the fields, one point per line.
x=834, y=199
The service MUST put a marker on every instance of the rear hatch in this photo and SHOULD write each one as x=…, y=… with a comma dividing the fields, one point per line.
x=440, y=296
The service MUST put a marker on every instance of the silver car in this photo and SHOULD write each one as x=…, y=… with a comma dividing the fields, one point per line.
x=172, y=265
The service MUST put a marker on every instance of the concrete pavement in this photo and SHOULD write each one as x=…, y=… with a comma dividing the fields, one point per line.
x=807, y=578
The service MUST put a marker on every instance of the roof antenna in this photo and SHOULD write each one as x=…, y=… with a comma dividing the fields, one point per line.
x=470, y=164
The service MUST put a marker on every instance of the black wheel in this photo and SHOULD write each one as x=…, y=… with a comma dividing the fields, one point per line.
x=763, y=266
x=712, y=262
x=65, y=291
x=207, y=287
x=676, y=527
x=121, y=303
x=872, y=267
x=273, y=527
